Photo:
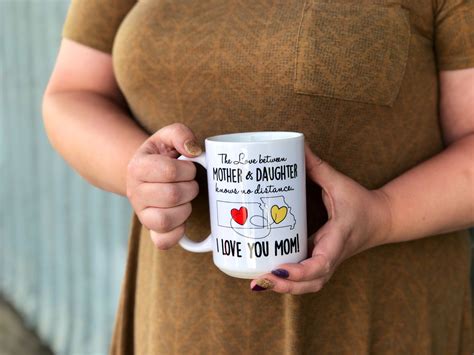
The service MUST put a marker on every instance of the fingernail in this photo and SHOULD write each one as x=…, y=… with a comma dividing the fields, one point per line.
x=284, y=274
x=258, y=288
x=262, y=285
x=192, y=147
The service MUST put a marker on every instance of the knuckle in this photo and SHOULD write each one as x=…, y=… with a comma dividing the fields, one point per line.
x=298, y=272
x=162, y=223
x=159, y=241
x=195, y=188
x=144, y=219
x=188, y=209
x=130, y=195
x=133, y=168
x=169, y=171
x=288, y=287
x=173, y=194
x=179, y=231
x=171, y=239
x=179, y=127
x=163, y=244
x=301, y=273
x=129, y=192
x=193, y=168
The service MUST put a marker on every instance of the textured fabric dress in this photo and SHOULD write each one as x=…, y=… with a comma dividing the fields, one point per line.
x=360, y=80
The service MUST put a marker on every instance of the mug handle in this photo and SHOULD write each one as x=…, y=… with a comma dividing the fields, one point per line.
x=185, y=242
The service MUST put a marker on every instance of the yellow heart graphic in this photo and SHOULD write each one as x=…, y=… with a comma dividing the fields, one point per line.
x=278, y=213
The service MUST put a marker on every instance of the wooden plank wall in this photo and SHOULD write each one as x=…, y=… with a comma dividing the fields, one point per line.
x=62, y=242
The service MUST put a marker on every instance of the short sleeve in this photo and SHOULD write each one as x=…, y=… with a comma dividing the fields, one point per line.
x=454, y=34
x=94, y=23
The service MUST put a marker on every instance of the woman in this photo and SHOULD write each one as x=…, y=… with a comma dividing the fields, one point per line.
x=383, y=91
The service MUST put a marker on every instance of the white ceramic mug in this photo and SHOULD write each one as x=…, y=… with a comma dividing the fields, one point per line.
x=257, y=201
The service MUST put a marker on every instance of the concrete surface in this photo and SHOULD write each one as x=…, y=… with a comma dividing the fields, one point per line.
x=15, y=337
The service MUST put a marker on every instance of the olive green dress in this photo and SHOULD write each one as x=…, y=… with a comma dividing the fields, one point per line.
x=360, y=79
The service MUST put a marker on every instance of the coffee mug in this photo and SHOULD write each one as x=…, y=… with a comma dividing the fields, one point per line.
x=257, y=201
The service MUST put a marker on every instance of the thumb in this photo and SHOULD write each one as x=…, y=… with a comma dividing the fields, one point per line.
x=175, y=137
x=325, y=176
x=320, y=171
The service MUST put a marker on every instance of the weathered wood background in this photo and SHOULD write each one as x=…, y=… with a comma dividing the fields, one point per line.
x=62, y=242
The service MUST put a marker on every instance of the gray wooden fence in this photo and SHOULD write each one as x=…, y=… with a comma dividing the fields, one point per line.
x=62, y=242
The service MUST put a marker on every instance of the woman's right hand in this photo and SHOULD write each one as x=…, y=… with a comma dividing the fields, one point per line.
x=160, y=187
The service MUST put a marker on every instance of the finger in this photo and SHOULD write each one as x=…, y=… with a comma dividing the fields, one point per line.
x=160, y=168
x=310, y=269
x=164, y=220
x=164, y=195
x=319, y=170
x=175, y=137
x=329, y=244
x=298, y=288
x=270, y=282
x=164, y=241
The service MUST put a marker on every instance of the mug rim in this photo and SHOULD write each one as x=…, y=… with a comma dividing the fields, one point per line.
x=280, y=136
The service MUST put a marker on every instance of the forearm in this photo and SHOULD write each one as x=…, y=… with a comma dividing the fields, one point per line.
x=94, y=135
x=435, y=197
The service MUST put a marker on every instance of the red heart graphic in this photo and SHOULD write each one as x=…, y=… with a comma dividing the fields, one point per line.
x=239, y=215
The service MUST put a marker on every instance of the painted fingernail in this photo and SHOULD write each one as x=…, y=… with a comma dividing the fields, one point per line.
x=192, y=147
x=262, y=285
x=258, y=288
x=284, y=274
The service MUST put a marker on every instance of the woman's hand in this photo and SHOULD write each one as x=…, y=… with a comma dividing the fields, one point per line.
x=160, y=187
x=357, y=218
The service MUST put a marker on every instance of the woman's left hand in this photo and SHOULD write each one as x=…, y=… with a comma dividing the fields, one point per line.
x=358, y=220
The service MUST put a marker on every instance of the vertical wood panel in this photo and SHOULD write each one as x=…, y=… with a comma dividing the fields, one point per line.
x=62, y=242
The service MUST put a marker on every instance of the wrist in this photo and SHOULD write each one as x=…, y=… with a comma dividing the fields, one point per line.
x=383, y=218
